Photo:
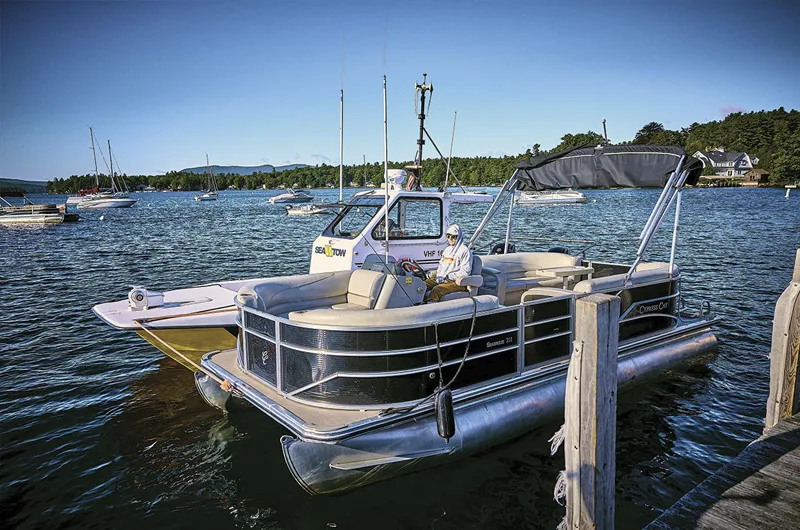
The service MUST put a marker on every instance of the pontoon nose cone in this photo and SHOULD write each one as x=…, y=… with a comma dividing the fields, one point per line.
x=211, y=391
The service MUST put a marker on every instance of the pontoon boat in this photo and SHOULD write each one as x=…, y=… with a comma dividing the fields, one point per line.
x=351, y=361
x=30, y=213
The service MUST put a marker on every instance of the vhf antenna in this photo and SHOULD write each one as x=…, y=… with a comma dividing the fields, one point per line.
x=605, y=134
x=422, y=89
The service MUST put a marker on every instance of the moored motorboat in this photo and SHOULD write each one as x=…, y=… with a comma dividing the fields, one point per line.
x=189, y=322
x=312, y=209
x=568, y=196
x=291, y=197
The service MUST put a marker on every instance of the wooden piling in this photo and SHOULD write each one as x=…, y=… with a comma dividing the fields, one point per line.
x=784, y=392
x=591, y=414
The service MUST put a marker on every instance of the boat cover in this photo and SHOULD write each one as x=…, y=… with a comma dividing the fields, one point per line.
x=611, y=166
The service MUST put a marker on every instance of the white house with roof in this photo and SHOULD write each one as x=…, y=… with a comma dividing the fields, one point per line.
x=726, y=164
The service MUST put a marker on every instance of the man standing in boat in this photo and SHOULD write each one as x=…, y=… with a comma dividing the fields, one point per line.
x=456, y=263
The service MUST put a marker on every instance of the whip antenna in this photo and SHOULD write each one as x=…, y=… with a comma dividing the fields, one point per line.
x=385, y=171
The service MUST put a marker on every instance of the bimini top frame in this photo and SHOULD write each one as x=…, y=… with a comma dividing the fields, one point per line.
x=629, y=166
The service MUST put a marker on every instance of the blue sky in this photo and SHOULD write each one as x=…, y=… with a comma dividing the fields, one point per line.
x=258, y=82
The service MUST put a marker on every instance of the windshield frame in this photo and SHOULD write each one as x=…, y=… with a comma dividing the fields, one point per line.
x=359, y=202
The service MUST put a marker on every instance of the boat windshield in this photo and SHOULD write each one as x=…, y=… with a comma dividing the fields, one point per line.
x=354, y=217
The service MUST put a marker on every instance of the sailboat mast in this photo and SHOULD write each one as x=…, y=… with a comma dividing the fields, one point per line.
x=450, y=156
x=341, y=142
x=209, y=173
x=111, y=161
x=94, y=156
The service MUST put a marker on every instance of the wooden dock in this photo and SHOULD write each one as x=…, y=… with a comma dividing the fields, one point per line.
x=761, y=487
x=758, y=489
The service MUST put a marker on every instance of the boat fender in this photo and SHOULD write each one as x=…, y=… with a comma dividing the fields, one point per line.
x=560, y=250
x=445, y=416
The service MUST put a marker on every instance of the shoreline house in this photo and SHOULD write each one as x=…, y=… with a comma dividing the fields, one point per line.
x=726, y=164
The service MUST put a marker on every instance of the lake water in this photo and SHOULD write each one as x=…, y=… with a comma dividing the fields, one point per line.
x=99, y=430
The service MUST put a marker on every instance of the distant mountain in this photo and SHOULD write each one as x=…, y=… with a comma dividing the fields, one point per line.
x=25, y=186
x=244, y=170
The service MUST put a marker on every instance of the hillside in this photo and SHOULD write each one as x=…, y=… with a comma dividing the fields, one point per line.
x=244, y=170
x=25, y=186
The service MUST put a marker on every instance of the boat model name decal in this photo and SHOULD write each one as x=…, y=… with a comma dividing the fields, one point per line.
x=501, y=342
x=661, y=306
x=329, y=251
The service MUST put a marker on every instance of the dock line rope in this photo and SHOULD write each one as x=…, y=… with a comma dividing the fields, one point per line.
x=223, y=309
x=225, y=384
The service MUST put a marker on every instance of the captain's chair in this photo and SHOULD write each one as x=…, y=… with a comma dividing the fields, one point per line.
x=471, y=282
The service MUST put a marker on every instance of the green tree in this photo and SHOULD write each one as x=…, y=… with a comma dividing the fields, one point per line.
x=646, y=133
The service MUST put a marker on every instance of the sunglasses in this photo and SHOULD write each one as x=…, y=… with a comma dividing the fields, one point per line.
x=451, y=236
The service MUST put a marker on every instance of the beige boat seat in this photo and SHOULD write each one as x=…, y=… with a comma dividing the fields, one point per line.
x=645, y=273
x=383, y=318
x=362, y=290
x=471, y=282
x=341, y=291
x=283, y=294
x=507, y=276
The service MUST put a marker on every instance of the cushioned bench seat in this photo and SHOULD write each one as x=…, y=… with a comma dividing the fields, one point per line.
x=644, y=273
x=341, y=291
x=383, y=318
x=505, y=275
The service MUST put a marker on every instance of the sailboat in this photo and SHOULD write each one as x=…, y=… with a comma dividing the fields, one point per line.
x=114, y=197
x=211, y=193
x=321, y=208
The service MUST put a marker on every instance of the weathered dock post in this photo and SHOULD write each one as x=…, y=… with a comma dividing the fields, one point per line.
x=591, y=414
x=784, y=394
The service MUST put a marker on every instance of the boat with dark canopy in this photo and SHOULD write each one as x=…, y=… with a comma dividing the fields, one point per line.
x=356, y=367
x=353, y=363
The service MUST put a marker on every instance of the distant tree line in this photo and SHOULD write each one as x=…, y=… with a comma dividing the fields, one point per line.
x=772, y=136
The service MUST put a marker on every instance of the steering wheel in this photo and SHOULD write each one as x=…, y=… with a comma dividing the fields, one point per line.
x=409, y=265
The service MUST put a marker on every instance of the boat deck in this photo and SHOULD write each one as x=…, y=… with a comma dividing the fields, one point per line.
x=312, y=417
x=758, y=489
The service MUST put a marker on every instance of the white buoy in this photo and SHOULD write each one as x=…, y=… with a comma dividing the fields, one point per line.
x=102, y=217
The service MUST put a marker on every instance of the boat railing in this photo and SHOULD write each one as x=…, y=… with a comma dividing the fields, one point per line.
x=378, y=368
x=582, y=250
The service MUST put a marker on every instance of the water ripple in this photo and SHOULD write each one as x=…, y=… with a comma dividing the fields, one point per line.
x=99, y=430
